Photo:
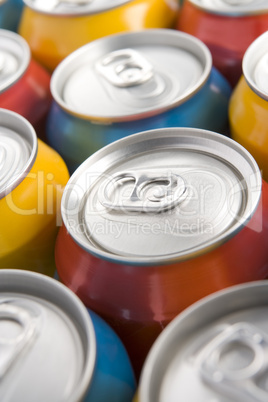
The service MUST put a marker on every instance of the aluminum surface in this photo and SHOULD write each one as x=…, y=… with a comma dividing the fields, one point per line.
x=232, y=7
x=18, y=150
x=255, y=66
x=131, y=75
x=47, y=340
x=216, y=350
x=161, y=195
x=14, y=58
x=73, y=7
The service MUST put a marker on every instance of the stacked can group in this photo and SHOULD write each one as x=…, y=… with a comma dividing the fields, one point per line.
x=133, y=200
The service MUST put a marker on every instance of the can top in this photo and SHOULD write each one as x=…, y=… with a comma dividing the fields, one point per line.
x=15, y=57
x=232, y=7
x=47, y=340
x=161, y=195
x=131, y=75
x=74, y=7
x=255, y=66
x=216, y=350
x=18, y=150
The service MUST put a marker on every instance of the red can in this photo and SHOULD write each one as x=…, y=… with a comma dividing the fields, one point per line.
x=158, y=220
x=24, y=84
x=227, y=28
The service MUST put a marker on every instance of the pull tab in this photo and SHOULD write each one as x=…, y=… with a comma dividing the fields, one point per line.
x=235, y=361
x=125, y=68
x=153, y=192
x=10, y=347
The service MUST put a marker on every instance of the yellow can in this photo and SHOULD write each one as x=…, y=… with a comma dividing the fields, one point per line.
x=54, y=29
x=32, y=179
x=248, y=108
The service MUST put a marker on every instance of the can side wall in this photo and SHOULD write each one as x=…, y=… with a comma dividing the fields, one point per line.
x=30, y=214
x=248, y=115
x=10, y=14
x=227, y=37
x=154, y=295
x=30, y=96
x=76, y=139
x=49, y=36
x=113, y=378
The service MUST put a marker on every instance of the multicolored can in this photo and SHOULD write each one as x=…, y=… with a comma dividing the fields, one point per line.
x=248, y=109
x=158, y=220
x=131, y=82
x=216, y=350
x=53, y=349
x=32, y=180
x=227, y=27
x=56, y=28
x=10, y=14
x=24, y=84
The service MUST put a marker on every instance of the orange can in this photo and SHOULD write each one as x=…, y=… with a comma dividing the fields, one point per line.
x=248, y=108
x=54, y=29
x=32, y=179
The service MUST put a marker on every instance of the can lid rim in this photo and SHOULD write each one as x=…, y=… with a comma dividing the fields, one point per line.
x=167, y=36
x=41, y=286
x=153, y=135
x=227, y=13
x=19, y=40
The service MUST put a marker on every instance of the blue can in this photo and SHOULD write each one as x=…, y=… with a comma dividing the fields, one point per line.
x=54, y=349
x=10, y=14
x=132, y=82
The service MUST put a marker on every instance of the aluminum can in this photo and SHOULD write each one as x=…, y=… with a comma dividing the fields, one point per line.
x=24, y=84
x=227, y=27
x=248, y=109
x=53, y=349
x=216, y=350
x=32, y=179
x=156, y=221
x=10, y=14
x=46, y=25
x=131, y=82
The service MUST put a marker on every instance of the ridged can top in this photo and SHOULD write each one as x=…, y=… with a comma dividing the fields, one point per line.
x=74, y=7
x=131, y=75
x=216, y=350
x=48, y=345
x=15, y=57
x=161, y=196
x=232, y=7
x=255, y=66
x=18, y=150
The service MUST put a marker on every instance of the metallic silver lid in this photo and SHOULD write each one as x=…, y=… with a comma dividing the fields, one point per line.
x=74, y=7
x=131, y=75
x=14, y=58
x=161, y=195
x=47, y=342
x=255, y=66
x=18, y=150
x=216, y=350
x=232, y=7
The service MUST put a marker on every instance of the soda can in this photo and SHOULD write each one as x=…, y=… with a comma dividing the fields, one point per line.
x=46, y=24
x=53, y=349
x=24, y=84
x=248, y=109
x=10, y=14
x=216, y=350
x=32, y=179
x=227, y=27
x=156, y=221
x=131, y=82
